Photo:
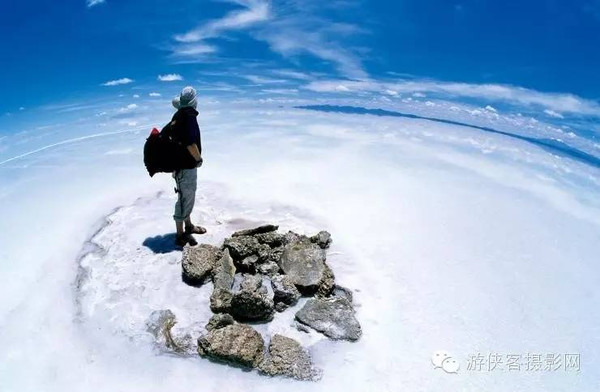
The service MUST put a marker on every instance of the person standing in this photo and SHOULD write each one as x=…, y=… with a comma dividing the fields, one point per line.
x=185, y=130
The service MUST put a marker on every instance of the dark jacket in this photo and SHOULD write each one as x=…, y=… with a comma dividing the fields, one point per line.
x=185, y=129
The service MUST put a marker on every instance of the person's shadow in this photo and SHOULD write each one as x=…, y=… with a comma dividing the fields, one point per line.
x=161, y=243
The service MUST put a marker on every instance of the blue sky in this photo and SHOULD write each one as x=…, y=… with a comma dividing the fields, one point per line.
x=65, y=50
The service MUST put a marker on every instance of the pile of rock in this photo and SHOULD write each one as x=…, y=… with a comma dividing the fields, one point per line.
x=293, y=265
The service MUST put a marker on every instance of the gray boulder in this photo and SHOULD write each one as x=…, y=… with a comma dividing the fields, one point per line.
x=269, y=268
x=220, y=300
x=284, y=290
x=334, y=317
x=266, y=254
x=241, y=247
x=287, y=358
x=252, y=283
x=343, y=292
x=322, y=238
x=198, y=262
x=219, y=320
x=247, y=264
x=271, y=239
x=291, y=236
x=238, y=344
x=257, y=230
x=252, y=302
x=304, y=263
x=223, y=273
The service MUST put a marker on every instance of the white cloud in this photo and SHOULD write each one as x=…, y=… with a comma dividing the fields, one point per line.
x=118, y=82
x=320, y=38
x=289, y=27
x=193, y=51
x=170, y=77
x=288, y=73
x=254, y=11
x=129, y=108
x=262, y=79
x=553, y=113
x=154, y=94
x=91, y=3
x=136, y=95
x=282, y=91
x=191, y=46
x=558, y=102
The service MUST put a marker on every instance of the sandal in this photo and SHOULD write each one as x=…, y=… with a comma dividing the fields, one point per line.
x=195, y=229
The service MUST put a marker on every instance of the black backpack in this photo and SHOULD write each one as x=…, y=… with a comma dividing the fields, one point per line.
x=163, y=154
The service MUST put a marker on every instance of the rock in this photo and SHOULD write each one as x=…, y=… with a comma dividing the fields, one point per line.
x=237, y=344
x=252, y=302
x=223, y=272
x=291, y=236
x=241, y=247
x=288, y=358
x=219, y=320
x=248, y=264
x=252, y=306
x=251, y=283
x=220, y=299
x=269, y=268
x=272, y=239
x=304, y=263
x=198, y=262
x=280, y=307
x=284, y=290
x=302, y=328
x=327, y=283
x=340, y=291
x=257, y=230
x=333, y=317
x=160, y=324
x=323, y=239
x=267, y=254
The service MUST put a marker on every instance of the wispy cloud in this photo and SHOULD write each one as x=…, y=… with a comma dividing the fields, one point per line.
x=91, y=3
x=281, y=91
x=557, y=102
x=254, y=11
x=170, y=77
x=288, y=73
x=118, y=82
x=320, y=38
x=262, y=79
x=192, y=46
x=197, y=51
x=290, y=27
x=553, y=113
x=154, y=94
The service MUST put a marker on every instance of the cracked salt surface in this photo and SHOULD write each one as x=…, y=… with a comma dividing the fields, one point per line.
x=121, y=281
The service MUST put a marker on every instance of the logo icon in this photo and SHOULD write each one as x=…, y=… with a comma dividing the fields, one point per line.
x=443, y=360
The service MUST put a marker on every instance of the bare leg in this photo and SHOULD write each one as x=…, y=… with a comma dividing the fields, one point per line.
x=179, y=227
